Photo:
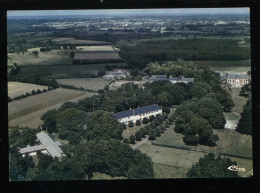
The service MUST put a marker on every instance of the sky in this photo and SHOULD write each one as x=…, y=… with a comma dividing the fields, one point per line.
x=130, y=11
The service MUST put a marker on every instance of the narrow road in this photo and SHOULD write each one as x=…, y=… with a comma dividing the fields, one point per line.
x=140, y=143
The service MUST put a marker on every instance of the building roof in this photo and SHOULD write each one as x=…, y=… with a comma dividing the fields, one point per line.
x=51, y=146
x=238, y=76
x=137, y=111
x=164, y=77
x=46, y=143
x=30, y=149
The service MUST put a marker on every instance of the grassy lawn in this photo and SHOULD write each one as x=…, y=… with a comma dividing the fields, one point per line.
x=166, y=171
x=131, y=131
x=170, y=162
x=238, y=100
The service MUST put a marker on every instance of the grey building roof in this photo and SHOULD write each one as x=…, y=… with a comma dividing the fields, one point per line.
x=137, y=111
x=164, y=77
x=46, y=143
x=51, y=146
x=30, y=149
x=238, y=76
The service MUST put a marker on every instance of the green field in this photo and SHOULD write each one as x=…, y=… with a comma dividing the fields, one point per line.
x=170, y=162
x=69, y=71
x=226, y=66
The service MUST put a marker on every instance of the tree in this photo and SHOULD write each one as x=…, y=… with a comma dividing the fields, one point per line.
x=158, y=131
x=145, y=120
x=35, y=53
x=126, y=141
x=200, y=90
x=72, y=54
x=138, y=122
x=212, y=167
x=245, y=123
x=49, y=120
x=130, y=124
x=132, y=139
x=44, y=161
x=151, y=118
x=138, y=136
x=152, y=134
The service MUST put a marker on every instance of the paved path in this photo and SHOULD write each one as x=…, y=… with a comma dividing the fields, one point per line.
x=250, y=172
x=140, y=143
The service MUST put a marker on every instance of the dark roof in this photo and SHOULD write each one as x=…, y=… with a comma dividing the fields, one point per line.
x=238, y=76
x=137, y=111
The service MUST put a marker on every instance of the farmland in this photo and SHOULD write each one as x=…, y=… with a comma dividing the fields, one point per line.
x=96, y=48
x=17, y=88
x=70, y=71
x=27, y=112
x=53, y=57
x=73, y=41
x=86, y=83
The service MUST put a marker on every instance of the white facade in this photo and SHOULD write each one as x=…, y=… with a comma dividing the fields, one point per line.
x=140, y=117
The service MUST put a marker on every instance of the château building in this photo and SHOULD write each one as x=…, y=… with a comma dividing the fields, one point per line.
x=237, y=80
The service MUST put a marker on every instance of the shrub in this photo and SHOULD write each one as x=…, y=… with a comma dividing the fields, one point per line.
x=130, y=124
x=132, y=139
x=145, y=120
x=126, y=141
x=138, y=122
x=138, y=136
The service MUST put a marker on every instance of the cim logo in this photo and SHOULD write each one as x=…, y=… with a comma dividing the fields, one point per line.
x=236, y=168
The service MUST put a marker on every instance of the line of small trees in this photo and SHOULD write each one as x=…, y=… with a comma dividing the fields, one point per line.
x=76, y=88
x=38, y=91
x=156, y=127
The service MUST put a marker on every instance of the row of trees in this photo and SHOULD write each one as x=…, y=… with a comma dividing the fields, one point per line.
x=38, y=91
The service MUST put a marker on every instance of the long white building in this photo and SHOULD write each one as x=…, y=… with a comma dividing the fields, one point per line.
x=138, y=114
x=47, y=146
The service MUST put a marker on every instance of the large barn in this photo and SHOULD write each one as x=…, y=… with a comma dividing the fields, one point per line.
x=138, y=114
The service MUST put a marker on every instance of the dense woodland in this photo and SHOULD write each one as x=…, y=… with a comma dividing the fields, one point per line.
x=195, y=49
